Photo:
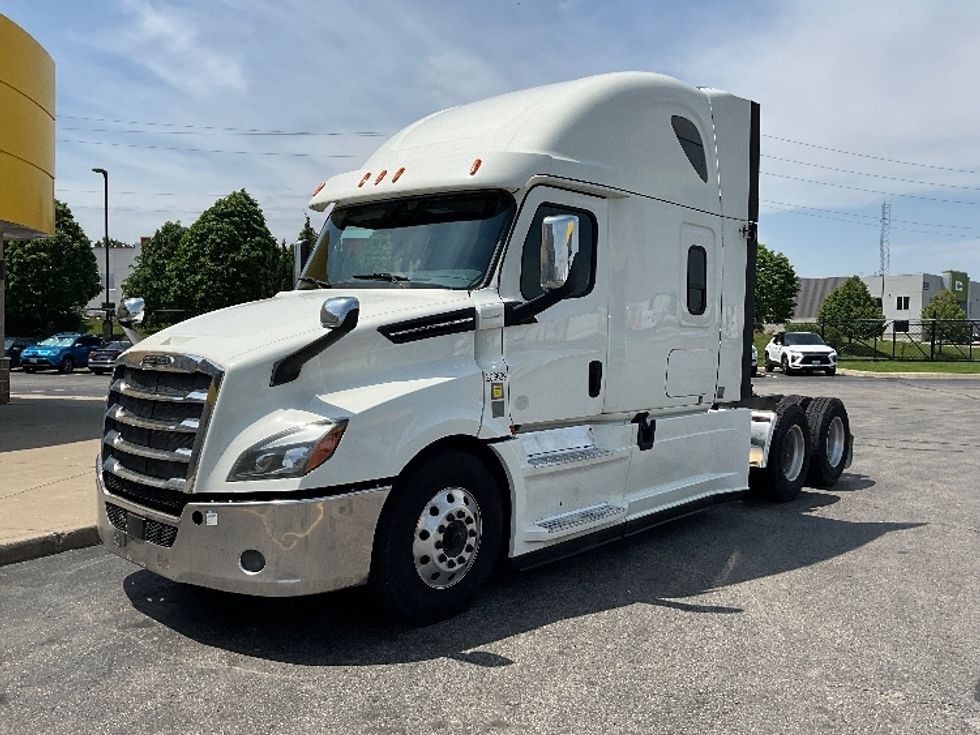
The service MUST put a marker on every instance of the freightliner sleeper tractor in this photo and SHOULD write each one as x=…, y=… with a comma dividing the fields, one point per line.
x=525, y=329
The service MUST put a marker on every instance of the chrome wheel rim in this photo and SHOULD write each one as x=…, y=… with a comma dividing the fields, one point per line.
x=447, y=537
x=793, y=452
x=836, y=439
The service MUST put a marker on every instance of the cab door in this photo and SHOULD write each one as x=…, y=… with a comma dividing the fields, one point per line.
x=557, y=361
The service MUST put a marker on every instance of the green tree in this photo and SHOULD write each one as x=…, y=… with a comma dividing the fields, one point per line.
x=286, y=264
x=226, y=257
x=150, y=277
x=776, y=287
x=850, y=313
x=50, y=280
x=945, y=307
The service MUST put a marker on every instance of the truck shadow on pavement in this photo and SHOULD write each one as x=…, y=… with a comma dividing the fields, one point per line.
x=708, y=552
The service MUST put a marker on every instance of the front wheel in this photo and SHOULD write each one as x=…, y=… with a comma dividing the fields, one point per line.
x=67, y=365
x=787, y=370
x=438, y=538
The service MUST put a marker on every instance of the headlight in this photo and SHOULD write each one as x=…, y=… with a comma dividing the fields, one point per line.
x=833, y=355
x=290, y=453
x=795, y=355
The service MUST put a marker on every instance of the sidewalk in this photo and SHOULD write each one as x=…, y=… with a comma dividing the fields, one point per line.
x=47, y=493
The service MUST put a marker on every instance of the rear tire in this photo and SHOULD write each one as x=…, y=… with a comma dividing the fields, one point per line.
x=830, y=437
x=789, y=455
x=66, y=366
x=29, y=370
x=449, y=502
x=769, y=365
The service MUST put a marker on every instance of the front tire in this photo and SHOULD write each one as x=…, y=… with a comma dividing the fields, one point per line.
x=67, y=365
x=769, y=365
x=789, y=456
x=438, y=538
x=787, y=370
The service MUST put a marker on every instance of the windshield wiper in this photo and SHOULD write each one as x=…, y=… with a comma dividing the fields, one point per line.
x=391, y=277
x=311, y=279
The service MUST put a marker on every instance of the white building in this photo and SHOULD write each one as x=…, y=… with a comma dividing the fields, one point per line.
x=121, y=262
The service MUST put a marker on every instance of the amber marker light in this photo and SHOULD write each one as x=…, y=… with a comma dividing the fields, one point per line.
x=325, y=448
x=476, y=166
x=398, y=174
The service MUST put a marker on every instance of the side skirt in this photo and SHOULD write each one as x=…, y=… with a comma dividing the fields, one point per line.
x=606, y=535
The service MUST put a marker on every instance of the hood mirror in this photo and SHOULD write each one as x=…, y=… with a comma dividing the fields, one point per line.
x=337, y=310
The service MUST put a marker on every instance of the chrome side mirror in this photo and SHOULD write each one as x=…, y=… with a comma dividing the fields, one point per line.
x=131, y=311
x=335, y=311
x=559, y=246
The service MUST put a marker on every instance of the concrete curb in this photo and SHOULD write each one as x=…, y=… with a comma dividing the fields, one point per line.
x=50, y=543
x=874, y=374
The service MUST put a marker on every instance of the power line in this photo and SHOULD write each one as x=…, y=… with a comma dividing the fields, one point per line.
x=869, y=191
x=202, y=150
x=791, y=210
x=871, y=175
x=864, y=216
x=218, y=129
x=870, y=156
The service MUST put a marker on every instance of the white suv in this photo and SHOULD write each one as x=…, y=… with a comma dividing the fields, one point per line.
x=800, y=351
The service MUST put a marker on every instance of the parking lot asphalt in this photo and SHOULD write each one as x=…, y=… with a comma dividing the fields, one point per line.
x=853, y=610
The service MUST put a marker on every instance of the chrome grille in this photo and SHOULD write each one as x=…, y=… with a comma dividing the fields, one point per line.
x=154, y=427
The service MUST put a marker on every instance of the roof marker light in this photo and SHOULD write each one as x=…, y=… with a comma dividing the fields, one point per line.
x=384, y=172
x=364, y=179
x=398, y=174
x=317, y=188
x=476, y=166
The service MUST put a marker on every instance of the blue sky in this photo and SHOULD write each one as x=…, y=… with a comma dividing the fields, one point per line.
x=860, y=100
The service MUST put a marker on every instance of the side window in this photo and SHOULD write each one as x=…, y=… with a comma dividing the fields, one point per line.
x=583, y=271
x=690, y=140
x=697, y=279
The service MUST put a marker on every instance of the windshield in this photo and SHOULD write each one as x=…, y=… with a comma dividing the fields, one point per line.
x=802, y=338
x=58, y=341
x=442, y=241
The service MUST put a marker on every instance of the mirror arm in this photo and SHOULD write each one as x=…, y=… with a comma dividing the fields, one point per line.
x=524, y=312
x=288, y=368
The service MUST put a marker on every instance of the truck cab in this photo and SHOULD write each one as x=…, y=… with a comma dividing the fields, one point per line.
x=524, y=329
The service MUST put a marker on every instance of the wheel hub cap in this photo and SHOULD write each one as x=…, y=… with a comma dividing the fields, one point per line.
x=447, y=537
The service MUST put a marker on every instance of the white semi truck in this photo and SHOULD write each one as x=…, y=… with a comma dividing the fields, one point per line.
x=525, y=329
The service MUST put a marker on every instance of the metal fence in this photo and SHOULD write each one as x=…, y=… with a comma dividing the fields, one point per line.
x=941, y=340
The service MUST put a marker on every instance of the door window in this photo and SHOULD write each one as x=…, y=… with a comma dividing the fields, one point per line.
x=583, y=270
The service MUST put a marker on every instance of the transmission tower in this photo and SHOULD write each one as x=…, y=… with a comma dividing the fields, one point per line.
x=884, y=244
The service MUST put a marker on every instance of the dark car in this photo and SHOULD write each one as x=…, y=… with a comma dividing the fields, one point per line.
x=13, y=346
x=64, y=351
x=101, y=360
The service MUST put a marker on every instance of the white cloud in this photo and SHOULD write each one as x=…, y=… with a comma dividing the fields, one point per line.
x=170, y=45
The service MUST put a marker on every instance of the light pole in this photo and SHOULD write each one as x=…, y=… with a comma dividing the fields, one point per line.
x=107, y=322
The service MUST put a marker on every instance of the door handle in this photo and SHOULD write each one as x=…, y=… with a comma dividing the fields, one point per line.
x=595, y=378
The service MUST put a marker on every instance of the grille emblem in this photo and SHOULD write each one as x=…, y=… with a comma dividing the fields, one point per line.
x=156, y=360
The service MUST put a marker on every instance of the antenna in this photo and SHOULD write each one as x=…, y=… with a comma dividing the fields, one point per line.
x=884, y=244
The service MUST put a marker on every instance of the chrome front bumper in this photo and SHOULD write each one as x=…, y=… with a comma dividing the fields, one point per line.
x=309, y=546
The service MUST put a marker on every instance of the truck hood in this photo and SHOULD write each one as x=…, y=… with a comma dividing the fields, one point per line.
x=272, y=326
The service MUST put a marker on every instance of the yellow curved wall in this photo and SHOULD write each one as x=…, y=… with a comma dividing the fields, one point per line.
x=26, y=135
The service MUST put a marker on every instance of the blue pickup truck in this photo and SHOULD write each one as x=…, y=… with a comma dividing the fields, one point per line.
x=64, y=352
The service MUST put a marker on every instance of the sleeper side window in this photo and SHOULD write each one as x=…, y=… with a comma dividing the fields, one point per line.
x=690, y=140
x=583, y=271
x=697, y=279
